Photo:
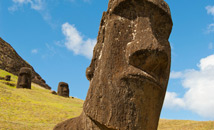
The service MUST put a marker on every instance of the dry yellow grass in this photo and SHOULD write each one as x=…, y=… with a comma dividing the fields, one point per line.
x=38, y=109
x=185, y=125
x=24, y=109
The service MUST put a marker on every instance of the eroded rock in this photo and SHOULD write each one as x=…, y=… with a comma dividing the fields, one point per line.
x=24, y=78
x=129, y=70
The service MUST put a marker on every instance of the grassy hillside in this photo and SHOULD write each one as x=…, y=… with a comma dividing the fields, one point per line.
x=38, y=109
x=185, y=125
x=35, y=109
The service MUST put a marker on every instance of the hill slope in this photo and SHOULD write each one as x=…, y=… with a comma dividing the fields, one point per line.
x=37, y=109
x=11, y=61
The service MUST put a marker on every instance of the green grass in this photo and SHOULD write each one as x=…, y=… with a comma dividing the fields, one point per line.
x=38, y=109
x=23, y=109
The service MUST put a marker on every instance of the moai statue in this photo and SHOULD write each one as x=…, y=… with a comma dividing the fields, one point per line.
x=24, y=78
x=129, y=70
x=63, y=89
x=53, y=92
x=7, y=77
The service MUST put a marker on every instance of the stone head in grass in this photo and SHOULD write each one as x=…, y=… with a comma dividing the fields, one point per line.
x=63, y=89
x=24, y=78
x=7, y=77
x=129, y=70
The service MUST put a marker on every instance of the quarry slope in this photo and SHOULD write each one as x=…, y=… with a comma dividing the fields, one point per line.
x=35, y=109
x=10, y=61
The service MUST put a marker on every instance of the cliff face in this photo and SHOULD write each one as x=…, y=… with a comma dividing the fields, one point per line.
x=11, y=61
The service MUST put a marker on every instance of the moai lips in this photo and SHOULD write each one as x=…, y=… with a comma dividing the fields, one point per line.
x=24, y=78
x=129, y=70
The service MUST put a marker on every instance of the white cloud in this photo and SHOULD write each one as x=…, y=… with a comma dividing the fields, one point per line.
x=75, y=41
x=210, y=28
x=172, y=100
x=176, y=75
x=38, y=5
x=207, y=63
x=35, y=4
x=199, y=96
x=34, y=51
x=210, y=10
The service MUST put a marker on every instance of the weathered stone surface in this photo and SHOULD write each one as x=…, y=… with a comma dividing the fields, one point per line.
x=7, y=77
x=129, y=70
x=63, y=89
x=24, y=78
x=10, y=61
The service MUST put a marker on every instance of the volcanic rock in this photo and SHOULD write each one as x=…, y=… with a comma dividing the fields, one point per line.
x=129, y=70
x=10, y=61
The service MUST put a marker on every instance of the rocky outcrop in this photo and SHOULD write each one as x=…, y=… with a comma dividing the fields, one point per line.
x=10, y=61
x=129, y=70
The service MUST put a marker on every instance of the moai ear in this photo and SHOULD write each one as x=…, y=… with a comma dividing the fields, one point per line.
x=89, y=73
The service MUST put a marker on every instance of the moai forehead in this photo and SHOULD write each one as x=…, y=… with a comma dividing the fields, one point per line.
x=25, y=70
x=159, y=3
x=63, y=84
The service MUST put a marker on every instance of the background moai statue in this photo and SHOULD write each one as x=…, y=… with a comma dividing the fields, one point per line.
x=7, y=77
x=53, y=92
x=24, y=78
x=129, y=70
x=63, y=89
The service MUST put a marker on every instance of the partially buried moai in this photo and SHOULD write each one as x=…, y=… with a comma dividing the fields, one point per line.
x=63, y=89
x=24, y=78
x=7, y=77
x=129, y=70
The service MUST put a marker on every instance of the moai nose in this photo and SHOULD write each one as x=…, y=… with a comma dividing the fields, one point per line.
x=150, y=61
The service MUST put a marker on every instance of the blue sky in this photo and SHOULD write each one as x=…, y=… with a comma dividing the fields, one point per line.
x=57, y=37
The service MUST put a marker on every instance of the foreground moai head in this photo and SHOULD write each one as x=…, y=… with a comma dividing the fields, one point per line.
x=129, y=70
x=24, y=78
x=63, y=89
x=7, y=77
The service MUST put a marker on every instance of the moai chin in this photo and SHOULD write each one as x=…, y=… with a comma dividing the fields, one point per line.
x=129, y=70
x=63, y=89
x=24, y=78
